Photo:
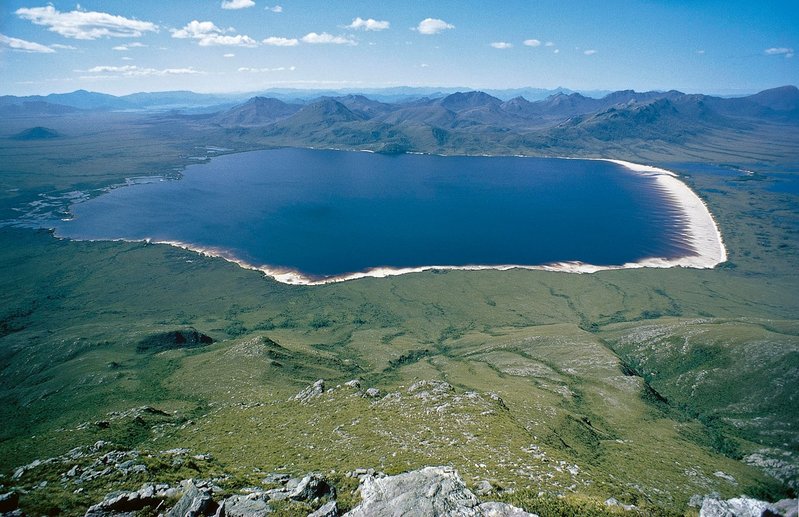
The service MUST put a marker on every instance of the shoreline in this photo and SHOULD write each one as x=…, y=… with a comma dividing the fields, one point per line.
x=702, y=234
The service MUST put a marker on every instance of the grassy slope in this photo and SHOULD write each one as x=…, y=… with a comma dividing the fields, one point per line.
x=557, y=348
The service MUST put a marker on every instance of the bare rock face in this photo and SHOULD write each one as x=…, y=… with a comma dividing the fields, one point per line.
x=746, y=507
x=431, y=491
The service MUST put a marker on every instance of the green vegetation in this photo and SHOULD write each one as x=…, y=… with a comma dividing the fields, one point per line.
x=648, y=386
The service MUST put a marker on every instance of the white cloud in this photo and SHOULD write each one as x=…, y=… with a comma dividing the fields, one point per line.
x=368, y=25
x=85, y=25
x=549, y=44
x=433, y=26
x=23, y=45
x=276, y=41
x=137, y=71
x=590, y=52
x=532, y=43
x=275, y=9
x=501, y=44
x=424, y=65
x=128, y=46
x=260, y=70
x=126, y=58
x=237, y=4
x=63, y=47
x=238, y=40
x=313, y=37
x=195, y=29
x=700, y=51
x=229, y=55
x=556, y=51
x=207, y=34
x=779, y=51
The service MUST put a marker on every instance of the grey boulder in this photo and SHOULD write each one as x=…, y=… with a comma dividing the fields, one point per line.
x=243, y=506
x=329, y=509
x=310, y=487
x=431, y=491
x=194, y=502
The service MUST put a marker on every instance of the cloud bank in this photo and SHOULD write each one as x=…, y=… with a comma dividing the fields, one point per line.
x=85, y=25
x=136, y=71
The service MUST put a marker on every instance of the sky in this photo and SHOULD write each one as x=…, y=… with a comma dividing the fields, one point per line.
x=210, y=46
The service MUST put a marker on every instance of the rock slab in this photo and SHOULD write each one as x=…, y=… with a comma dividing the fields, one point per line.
x=428, y=492
x=746, y=507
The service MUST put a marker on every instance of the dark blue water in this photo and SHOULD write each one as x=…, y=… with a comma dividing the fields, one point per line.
x=327, y=213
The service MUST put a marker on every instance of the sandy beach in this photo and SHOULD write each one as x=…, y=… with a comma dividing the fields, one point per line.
x=702, y=235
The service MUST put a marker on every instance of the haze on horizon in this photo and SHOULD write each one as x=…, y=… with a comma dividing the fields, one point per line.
x=249, y=45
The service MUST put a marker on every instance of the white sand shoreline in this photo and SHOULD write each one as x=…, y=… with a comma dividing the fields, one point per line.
x=702, y=235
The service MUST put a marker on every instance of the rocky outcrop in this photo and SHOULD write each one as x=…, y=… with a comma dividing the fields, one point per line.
x=117, y=503
x=431, y=491
x=314, y=390
x=747, y=507
x=194, y=502
x=251, y=505
x=492, y=509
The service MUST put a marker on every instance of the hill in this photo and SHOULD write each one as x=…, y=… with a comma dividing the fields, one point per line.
x=257, y=111
x=37, y=133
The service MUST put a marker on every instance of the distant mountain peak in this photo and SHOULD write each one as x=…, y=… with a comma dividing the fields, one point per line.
x=257, y=111
x=782, y=98
x=37, y=133
x=469, y=100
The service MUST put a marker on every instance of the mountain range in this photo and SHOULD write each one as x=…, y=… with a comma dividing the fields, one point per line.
x=654, y=125
x=470, y=121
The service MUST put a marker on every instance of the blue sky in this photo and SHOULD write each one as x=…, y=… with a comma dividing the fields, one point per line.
x=122, y=47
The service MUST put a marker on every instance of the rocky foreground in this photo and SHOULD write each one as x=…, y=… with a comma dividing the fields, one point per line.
x=210, y=491
x=430, y=491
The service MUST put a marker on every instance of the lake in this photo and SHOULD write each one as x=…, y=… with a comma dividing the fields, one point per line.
x=328, y=213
